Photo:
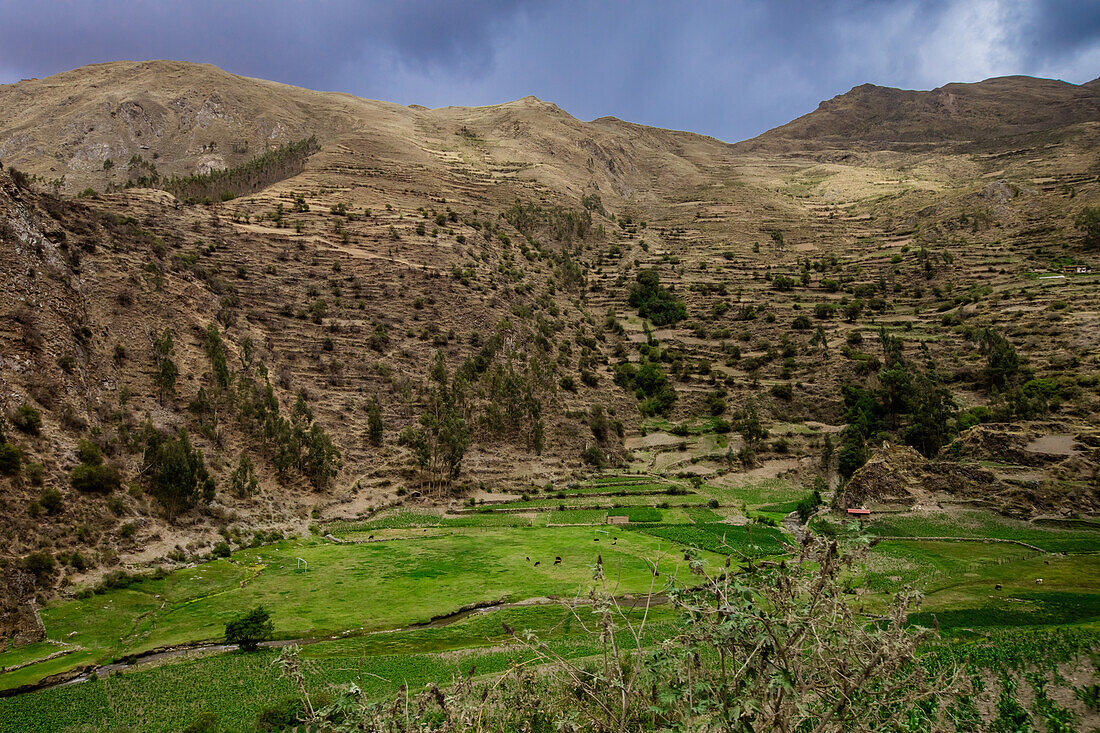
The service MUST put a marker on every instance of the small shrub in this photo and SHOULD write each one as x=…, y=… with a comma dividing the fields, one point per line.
x=40, y=564
x=27, y=419
x=89, y=453
x=782, y=391
x=51, y=501
x=116, y=505
x=35, y=473
x=97, y=479
x=593, y=456
x=10, y=459
x=78, y=562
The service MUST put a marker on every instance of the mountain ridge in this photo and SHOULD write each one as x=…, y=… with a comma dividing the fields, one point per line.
x=956, y=113
x=51, y=130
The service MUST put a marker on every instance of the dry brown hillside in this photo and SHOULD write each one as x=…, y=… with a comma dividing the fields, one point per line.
x=508, y=239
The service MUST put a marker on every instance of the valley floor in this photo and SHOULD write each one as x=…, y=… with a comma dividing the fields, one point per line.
x=354, y=594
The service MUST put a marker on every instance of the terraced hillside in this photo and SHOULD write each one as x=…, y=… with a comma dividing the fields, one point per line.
x=746, y=323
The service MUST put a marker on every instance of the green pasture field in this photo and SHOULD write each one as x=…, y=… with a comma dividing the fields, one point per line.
x=238, y=687
x=960, y=582
x=1060, y=537
x=432, y=564
x=351, y=587
x=726, y=539
x=626, y=481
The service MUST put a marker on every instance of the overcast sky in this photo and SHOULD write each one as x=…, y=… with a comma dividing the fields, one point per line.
x=729, y=69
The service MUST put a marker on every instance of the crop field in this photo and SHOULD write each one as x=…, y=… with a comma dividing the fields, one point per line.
x=582, y=501
x=644, y=514
x=702, y=514
x=617, y=489
x=1004, y=650
x=578, y=516
x=754, y=494
x=415, y=520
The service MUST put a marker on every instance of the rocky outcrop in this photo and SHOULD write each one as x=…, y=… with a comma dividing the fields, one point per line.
x=899, y=475
x=19, y=619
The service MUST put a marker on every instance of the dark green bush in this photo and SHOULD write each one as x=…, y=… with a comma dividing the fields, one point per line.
x=249, y=629
x=10, y=459
x=40, y=564
x=783, y=391
x=95, y=478
x=51, y=501
x=89, y=453
x=27, y=419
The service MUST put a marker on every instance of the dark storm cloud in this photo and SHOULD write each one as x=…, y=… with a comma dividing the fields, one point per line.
x=296, y=42
x=1059, y=28
x=730, y=69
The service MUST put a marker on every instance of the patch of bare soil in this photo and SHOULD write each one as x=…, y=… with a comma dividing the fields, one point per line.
x=652, y=440
x=1055, y=444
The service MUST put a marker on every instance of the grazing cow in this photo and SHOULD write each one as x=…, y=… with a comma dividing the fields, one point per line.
x=537, y=563
x=528, y=559
x=614, y=540
x=997, y=587
x=371, y=537
x=557, y=561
